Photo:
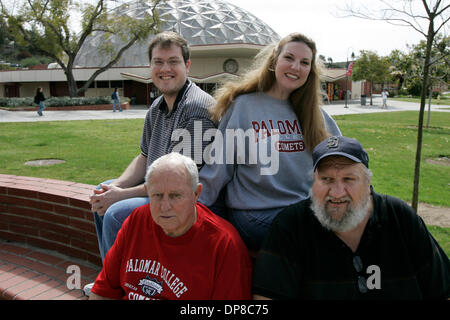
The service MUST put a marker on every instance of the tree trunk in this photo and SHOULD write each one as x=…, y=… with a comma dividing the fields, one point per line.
x=72, y=84
x=415, y=196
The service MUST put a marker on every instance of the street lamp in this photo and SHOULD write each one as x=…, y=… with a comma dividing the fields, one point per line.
x=346, y=75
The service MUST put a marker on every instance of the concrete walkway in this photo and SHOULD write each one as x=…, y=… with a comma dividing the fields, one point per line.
x=355, y=107
x=138, y=112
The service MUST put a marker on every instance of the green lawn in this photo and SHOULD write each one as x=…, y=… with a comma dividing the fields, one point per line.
x=93, y=150
x=442, y=236
x=390, y=140
x=101, y=149
x=444, y=100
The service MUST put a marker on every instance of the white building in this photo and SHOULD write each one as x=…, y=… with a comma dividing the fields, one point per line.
x=223, y=39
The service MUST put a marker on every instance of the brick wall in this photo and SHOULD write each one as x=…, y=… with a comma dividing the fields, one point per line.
x=50, y=214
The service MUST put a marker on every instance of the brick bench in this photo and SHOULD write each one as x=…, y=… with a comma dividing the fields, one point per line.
x=45, y=226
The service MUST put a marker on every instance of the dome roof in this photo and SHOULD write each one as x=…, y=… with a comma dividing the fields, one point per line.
x=200, y=22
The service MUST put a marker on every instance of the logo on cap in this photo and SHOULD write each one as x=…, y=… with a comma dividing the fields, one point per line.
x=333, y=142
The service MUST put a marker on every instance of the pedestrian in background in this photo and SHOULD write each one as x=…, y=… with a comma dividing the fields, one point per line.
x=384, y=95
x=39, y=100
x=116, y=100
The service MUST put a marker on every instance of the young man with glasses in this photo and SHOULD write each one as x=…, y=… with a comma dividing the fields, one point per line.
x=347, y=241
x=182, y=106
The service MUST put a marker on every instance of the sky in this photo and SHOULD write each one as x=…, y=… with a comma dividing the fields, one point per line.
x=335, y=37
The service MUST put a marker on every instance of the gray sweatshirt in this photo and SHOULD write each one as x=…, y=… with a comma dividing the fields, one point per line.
x=259, y=155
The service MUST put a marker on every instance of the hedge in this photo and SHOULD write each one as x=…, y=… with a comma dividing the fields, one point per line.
x=58, y=101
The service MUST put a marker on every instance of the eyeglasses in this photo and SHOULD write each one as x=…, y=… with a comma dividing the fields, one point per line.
x=362, y=282
x=158, y=63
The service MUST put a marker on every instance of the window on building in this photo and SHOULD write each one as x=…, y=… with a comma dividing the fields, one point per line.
x=102, y=84
x=117, y=84
x=208, y=87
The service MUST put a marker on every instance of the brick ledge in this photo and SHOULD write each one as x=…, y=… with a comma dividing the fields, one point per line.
x=45, y=225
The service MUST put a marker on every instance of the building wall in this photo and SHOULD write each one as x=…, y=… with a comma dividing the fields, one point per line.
x=356, y=89
x=29, y=89
x=201, y=67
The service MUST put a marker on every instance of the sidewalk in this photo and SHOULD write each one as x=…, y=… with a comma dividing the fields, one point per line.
x=135, y=112
x=139, y=112
x=354, y=107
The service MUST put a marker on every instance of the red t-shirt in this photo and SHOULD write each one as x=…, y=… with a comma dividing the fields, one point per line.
x=210, y=261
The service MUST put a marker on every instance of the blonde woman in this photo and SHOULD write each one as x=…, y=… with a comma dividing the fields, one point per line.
x=278, y=101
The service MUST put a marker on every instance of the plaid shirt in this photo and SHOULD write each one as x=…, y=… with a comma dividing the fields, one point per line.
x=189, y=111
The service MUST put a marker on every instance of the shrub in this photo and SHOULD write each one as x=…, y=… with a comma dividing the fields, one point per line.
x=435, y=94
x=16, y=102
x=34, y=60
x=403, y=92
x=58, y=101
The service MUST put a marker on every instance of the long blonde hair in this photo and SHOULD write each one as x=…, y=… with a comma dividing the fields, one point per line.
x=304, y=100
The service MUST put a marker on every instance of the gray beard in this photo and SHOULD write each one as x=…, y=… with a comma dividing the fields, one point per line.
x=353, y=217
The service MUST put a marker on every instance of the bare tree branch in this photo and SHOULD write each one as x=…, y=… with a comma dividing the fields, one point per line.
x=443, y=9
x=388, y=16
x=442, y=24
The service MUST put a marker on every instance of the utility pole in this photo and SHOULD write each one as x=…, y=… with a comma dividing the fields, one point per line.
x=347, y=73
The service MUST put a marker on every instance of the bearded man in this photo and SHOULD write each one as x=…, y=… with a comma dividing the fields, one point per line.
x=347, y=241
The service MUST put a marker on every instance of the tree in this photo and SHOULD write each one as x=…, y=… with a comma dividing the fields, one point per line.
x=439, y=60
x=371, y=67
x=406, y=68
x=401, y=64
x=427, y=17
x=44, y=26
x=439, y=65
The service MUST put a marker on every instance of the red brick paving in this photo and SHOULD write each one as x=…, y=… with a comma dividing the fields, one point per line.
x=30, y=273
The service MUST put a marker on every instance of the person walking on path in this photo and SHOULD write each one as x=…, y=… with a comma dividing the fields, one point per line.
x=384, y=95
x=39, y=100
x=116, y=100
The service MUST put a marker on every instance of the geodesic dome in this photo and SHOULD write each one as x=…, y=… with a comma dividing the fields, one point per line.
x=200, y=22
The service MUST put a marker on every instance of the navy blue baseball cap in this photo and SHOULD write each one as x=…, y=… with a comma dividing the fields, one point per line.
x=340, y=146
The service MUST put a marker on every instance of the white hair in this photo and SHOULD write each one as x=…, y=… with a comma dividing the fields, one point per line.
x=188, y=163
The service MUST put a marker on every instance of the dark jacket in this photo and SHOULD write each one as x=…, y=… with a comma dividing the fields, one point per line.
x=39, y=97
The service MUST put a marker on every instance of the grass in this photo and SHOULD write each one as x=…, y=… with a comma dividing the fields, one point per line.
x=390, y=140
x=442, y=236
x=444, y=100
x=101, y=149
x=93, y=150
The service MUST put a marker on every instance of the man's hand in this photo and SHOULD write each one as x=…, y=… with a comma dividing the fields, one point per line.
x=102, y=199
